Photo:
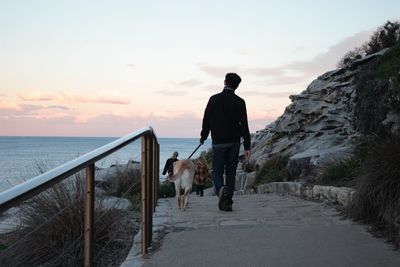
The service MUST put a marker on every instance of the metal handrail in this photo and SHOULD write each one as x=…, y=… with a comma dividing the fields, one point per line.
x=149, y=183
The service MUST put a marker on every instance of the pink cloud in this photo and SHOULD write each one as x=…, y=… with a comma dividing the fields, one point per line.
x=267, y=94
x=106, y=97
x=190, y=83
x=35, y=96
x=170, y=92
x=307, y=68
x=177, y=125
x=218, y=71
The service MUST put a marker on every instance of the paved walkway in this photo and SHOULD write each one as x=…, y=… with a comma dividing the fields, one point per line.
x=263, y=230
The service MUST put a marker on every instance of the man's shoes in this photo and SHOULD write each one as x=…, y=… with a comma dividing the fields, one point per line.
x=228, y=208
x=223, y=202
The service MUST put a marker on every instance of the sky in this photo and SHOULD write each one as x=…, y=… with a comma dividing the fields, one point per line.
x=108, y=68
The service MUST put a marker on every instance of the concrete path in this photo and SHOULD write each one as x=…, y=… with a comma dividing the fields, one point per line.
x=263, y=230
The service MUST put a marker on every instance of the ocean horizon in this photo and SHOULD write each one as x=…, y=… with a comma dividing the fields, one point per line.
x=21, y=157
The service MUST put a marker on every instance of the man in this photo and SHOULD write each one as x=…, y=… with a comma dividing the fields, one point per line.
x=169, y=166
x=226, y=117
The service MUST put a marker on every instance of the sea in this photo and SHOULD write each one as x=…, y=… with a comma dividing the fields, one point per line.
x=23, y=157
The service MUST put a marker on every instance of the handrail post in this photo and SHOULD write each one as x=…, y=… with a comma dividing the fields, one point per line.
x=156, y=174
x=145, y=194
x=89, y=215
x=150, y=179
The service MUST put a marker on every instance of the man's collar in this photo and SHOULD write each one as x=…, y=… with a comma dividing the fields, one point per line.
x=229, y=88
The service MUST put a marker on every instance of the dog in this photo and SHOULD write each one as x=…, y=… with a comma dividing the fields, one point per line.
x=183, y=174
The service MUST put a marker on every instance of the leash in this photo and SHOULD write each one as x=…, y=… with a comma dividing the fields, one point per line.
x=194, y=151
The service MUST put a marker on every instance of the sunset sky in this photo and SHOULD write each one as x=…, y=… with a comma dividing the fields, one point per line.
x=108, y=68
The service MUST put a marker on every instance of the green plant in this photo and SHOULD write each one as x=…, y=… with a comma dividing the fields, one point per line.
x=384, y=37
x=350, y=57
x=273, y=170
x=341, y=172
x=208, y=156
x=52, y=228
x=165, y=189
x=2, y=246
x=394, y=92
x=378, y=188
x=275, y=137
x=389, y=64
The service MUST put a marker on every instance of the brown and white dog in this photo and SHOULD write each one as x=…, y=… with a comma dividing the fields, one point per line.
x=183, y=177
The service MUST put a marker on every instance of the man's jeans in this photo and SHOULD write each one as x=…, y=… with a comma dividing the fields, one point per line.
x=225, y=158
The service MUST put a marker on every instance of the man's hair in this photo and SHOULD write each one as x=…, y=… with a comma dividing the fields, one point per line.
x=232, y=80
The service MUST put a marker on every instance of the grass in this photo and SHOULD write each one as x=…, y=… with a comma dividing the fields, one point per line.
x=273, y=170
x=390, y=63
x=275, y=137
x=52, y=227
x=208, y=156
x=340, y=173
x=378, y=189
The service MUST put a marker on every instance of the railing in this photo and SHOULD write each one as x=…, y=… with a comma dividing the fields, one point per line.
x=149, y=185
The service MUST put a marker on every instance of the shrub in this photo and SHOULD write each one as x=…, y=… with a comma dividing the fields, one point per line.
x=394, y=93
x=52, y=227
x=385, y=36
x=350, y=57
x=378, y=188
x=273, y=170
x=208, y=156
x=275, y=137
x=341, y=172
x=390, y=64
x=165, y=189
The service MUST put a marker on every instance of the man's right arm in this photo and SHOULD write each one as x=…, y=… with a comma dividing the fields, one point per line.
x=166, y=167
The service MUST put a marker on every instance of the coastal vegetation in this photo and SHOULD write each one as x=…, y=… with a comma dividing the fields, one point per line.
x=384, y=37
x=273, y=170
x=374, y=170
x=51, y=226
x=378, y=188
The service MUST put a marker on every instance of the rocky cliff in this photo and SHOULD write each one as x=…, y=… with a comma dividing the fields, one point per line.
x=320, y=125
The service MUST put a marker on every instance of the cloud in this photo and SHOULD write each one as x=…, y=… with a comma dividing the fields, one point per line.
x=190, y=83
x=218, y=71
x=170, y=93
x=168, y=124
x=328, y=60
x=35, y=96
x=243, y=51
x=16, y=111
x=267, y=94
x=105, y=97
x=9, y=106
x=130, y=65
x=214, y=88
x=304, y=70
x=58, y=107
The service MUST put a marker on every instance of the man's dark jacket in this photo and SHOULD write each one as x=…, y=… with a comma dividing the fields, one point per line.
x=226, y=117
x=169, y=165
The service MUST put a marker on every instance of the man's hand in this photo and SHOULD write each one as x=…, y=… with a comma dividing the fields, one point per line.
x=201, y=141
x=247, y=154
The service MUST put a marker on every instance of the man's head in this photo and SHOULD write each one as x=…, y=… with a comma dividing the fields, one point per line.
x=232, y=80
x=175, y=154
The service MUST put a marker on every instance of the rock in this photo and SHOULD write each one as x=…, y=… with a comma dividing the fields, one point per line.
x=111, y=202
x=119, y=178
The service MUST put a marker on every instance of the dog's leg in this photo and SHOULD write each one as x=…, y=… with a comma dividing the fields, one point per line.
x=178, y=193
x=186, y=197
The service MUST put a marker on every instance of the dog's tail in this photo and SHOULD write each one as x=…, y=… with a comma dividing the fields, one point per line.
x=184, y=166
